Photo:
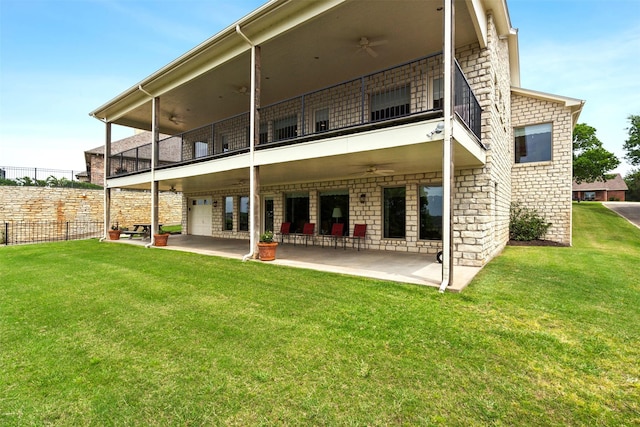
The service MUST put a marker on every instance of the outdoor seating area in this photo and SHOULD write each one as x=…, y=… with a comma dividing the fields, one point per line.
x=333, y=238
x=139, y=230
x=419, y=269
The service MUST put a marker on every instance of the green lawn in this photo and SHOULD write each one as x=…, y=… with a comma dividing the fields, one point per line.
x=108, y=334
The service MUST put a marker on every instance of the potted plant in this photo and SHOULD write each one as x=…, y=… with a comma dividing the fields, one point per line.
x=267, y=247
x=160, y=238
x=114, y=233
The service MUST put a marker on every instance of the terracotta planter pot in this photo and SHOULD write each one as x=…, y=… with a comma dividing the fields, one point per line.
x=267, y=251
x=160, y=239
x=114, y=234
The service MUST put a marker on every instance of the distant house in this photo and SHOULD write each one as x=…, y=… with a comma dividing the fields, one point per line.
x=126, y=150
x=602, y=191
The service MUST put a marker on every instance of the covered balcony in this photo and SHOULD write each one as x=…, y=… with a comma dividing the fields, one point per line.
x=408, y=92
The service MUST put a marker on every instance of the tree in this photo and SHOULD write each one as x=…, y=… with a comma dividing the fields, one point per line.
x=633, y=182
x=591, y=161
x=632, y=145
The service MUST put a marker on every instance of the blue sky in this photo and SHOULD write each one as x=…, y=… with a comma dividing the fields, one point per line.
x=60, y=59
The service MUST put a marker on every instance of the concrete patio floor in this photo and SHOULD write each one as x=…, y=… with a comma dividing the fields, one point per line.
x=402, y=267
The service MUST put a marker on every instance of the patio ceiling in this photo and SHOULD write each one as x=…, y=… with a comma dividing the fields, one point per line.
x=319, y=51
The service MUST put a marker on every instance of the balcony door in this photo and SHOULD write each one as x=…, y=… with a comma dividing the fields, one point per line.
x=200, y=213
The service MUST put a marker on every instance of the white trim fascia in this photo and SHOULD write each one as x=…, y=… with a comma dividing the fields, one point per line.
x=479, y=19
x=409, y=134
x=567, y=101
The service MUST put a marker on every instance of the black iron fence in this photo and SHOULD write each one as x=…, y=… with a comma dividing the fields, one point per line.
x=42, y=177
x=22, y=232
x=416, y=87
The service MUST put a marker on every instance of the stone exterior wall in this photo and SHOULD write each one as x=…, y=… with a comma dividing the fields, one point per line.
x=546, y=186
x=483, y=195
x=369, y=213
x=70, y=204
x=134, y=207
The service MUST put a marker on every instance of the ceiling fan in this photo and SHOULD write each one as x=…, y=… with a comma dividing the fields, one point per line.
x=242, y=90
x=175, y=118
x=373, y=170
x=364, y=44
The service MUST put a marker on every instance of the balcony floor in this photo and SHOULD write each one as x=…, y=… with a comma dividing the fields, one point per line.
x=401, y=267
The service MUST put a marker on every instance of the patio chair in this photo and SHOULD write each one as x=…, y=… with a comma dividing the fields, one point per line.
x=307, y=233
x=285, y=230
x=359, y=234
x=337, y=231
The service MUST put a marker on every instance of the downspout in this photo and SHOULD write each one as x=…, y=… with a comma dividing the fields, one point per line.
x=447, y=155
x=252, y=135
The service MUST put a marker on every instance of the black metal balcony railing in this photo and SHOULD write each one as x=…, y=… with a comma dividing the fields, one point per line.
x=402, y=91
x=465, y=103
x=42, y=177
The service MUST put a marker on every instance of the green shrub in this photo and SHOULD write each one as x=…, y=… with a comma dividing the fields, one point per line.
x=526, y=224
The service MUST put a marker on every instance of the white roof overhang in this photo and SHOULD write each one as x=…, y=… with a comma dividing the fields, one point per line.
x=573, y=104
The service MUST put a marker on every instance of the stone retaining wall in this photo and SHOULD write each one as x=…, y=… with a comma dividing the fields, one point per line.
x=78, y=205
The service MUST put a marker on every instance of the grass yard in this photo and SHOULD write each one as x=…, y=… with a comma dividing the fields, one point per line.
x=108, y=334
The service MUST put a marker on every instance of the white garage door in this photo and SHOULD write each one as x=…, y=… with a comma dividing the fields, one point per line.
x=200, y=216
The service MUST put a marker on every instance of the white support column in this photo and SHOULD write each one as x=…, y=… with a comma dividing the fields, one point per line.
x=255, y=224
x=448, y=182
x=155, y=132
x=107, y=170
x=254, y=123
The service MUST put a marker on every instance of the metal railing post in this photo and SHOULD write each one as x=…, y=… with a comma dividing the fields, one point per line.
x=362, y=96
x=303, y=128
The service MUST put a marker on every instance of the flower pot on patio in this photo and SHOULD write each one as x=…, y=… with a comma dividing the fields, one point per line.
x=267, y=251
x=160, y=239
x=114, y=234
x=267, y=247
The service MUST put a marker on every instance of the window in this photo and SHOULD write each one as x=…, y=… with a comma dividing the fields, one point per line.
x=533, y=143
x=334, y=208
x=394, y=212
x=268, y=214
x=297, y=210
x=285, y=128
x=201, y=149
x=430, y=212
x=322, y=120
x=243, y=224
x=228, y=213
x=437, y=93
x=391, y=103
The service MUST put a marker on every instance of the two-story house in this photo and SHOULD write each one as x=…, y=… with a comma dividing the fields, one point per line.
x=406, y=116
